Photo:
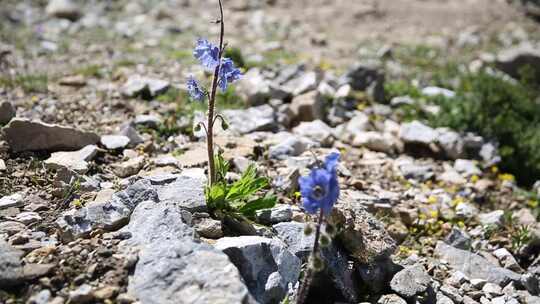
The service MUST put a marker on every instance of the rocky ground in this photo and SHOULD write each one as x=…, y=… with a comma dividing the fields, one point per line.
x=102, y=176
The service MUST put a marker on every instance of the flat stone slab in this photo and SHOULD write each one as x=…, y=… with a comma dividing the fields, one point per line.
x=475, y=266
x=26, y=135
x=76, y=161
x=173, y=266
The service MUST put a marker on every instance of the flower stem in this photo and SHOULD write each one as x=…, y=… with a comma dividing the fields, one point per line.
x=212, y=104
x=304, y=287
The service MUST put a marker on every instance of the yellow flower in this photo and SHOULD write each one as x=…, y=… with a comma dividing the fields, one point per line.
x=474, y=178
x=461, y=224
x=434, y=214
x=456, y=201
x=532, y=203
x=506, y=177
x=494, y=169
x=432, y=199
x=422, y=216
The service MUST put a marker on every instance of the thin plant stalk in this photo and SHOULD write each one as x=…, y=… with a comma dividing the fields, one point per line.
x=306, y=282
x=212, y=103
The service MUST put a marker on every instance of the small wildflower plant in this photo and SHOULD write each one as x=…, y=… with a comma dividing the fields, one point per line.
x=320, y=191
x=239, y=197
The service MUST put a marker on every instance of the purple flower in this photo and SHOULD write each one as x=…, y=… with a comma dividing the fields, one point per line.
x=228, y=73
x=194, y=89
x=320, y=189
x=207, y=54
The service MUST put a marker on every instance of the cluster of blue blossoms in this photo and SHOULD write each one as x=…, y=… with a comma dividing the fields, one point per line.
x=208, y=55
x=320, y=189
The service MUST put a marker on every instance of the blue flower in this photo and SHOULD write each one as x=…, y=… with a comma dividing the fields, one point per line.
x=228, y=73
x=194, y=89
x=320, y=189
x=207, y=54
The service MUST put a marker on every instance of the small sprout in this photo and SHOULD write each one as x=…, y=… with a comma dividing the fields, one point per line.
x=308, y=230
x=197, y=127
x=324, y=241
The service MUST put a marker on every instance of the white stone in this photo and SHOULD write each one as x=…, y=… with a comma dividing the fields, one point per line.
x=76, y=161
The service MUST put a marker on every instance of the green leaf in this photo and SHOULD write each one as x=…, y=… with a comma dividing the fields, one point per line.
x=222, y=167
x=248, y=185
x=266, y=202
x=215, y=196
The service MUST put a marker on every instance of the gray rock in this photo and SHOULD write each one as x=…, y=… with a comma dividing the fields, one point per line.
x=489, y=154
x=108, y=215
x=507, y=260
x=459, y=239
x=42, y=297
x=28, y=217
x=66, y=9
x=267, y=267
x=366, y=77
x=401, y=100
x=150, y=121
x=307, y=107
x=7, y=112
x=466, y=167
x=130, y=132
x=254, y=87
x=11, y=271
x=305, y=82
x=451, y=143
x=494, y=218
x=260, y=118
x=316, y=130
x=441, y=298
x=391, y=299
x=416, y=132
x=209, y=228
x=172, y=265
x=411, y=281
x=278, y=214
x=358, y=123
x=186, y=191
x=336, y=261
x=362, y=234
x=475, y=266
x=376, y=141
x=14, y=200
x=513, y=60
x=451, y=292
x=113, y=142
x=416, y=171
x=83, y=294
x=292, y=146
x=436, y=91
x=76, y=161
x=146, y=87
x=129, y=167
x=25, y=135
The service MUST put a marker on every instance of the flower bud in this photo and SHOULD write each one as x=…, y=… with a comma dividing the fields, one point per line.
x=324, y=241
x=224, y=124
x=330, y=229
x=308, y=229
x=317, y=263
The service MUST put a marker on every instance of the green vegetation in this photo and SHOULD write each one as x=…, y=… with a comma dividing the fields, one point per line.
x=491, y=106
x=36, y=83
x=239, y=197
x=92, y=70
